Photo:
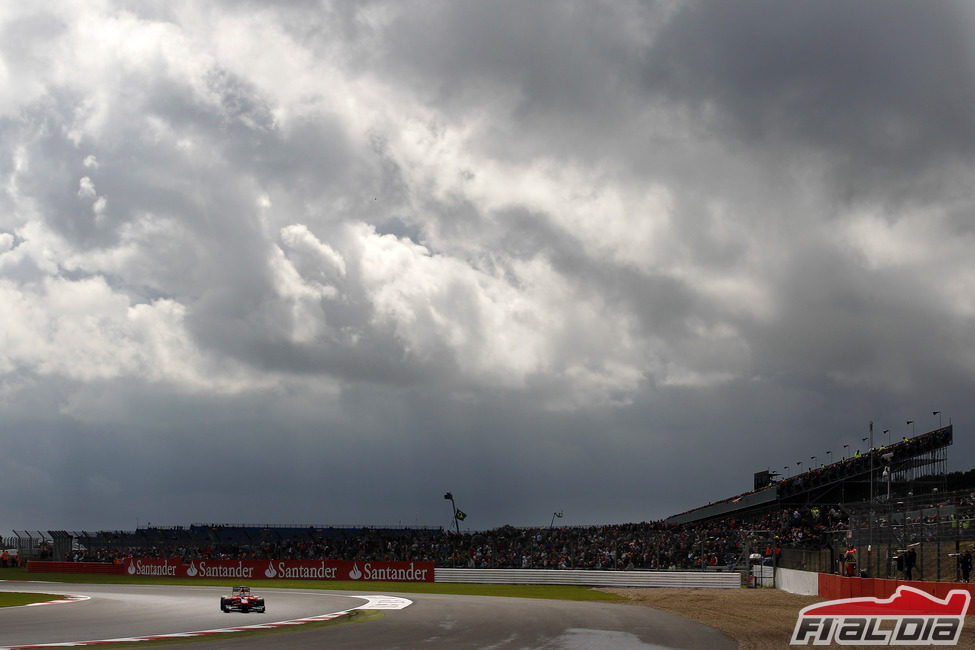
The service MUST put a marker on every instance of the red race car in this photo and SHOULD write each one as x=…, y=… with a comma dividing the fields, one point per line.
x=242, y=600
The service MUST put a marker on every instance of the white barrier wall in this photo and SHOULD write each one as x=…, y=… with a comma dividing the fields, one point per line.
x=762, y=576
x=797, y=582
x=682, y=579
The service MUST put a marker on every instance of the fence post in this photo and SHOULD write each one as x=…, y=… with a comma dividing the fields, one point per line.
x=955, y=523
x=937, y=534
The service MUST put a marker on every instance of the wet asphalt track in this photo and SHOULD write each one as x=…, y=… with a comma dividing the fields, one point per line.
x=433, y=621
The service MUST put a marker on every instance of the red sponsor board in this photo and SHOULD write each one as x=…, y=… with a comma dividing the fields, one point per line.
x=365, y=571
x=43, y=566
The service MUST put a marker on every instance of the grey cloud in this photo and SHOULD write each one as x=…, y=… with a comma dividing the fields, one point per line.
x=883, y=88
x=771, y=127
x=546, y=68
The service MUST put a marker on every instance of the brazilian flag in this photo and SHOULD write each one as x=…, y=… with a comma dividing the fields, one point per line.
x=460, y=515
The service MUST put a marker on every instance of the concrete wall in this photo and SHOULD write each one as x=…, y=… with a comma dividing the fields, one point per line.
x=683, y=579
x=797, y=582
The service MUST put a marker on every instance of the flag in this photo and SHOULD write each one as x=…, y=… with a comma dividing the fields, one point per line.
x=460, y=515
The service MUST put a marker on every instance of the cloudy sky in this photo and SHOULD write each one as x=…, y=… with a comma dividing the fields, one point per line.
x=305, y=262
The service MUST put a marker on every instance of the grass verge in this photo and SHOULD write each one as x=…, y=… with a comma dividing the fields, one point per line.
x=10, y=599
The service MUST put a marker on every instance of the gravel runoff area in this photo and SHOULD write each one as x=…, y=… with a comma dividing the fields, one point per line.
x=756, y=618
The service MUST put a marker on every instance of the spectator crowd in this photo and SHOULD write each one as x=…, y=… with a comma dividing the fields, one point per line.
x=645, y=546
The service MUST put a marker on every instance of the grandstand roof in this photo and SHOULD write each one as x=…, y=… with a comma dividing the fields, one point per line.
x=905, y=456
x=740, y=503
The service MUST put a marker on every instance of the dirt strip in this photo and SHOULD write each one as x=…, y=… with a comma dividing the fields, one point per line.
x=756, y=618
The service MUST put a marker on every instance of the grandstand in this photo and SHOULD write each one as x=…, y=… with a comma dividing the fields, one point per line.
x=886, y=500
x=890, y=498
x=912, y=466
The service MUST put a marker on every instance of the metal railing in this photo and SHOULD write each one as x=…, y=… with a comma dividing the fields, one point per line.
x=938, y=528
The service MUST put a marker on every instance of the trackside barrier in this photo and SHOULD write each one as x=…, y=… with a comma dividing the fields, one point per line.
x=834, y=587
x=794, y=581
x=365, y=570
x=680, y=579
x=39, y=566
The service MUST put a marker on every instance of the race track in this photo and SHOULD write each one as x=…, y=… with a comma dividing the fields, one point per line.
x=121, y=611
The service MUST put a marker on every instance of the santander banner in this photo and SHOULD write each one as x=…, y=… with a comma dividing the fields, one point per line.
x=366, y=571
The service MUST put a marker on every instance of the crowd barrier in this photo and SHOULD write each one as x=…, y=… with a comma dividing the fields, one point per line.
x=680, y=579
x=834, y=587
x=36, y=566
x=282, y=569
x=365, y=571
x=795, y=581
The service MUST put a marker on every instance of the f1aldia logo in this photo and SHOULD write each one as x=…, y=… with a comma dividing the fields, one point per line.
x=909, y=617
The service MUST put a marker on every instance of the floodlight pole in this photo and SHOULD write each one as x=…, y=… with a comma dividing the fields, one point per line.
x=872, y=509
x=453, y=510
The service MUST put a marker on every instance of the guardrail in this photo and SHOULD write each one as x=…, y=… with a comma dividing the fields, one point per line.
x=678, y=579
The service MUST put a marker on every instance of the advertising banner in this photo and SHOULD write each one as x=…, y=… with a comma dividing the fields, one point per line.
x=364, y=571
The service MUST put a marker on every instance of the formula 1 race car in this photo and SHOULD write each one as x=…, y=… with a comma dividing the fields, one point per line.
x=242, y=600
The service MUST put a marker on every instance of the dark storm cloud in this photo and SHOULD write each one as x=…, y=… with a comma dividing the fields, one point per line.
x=885, y=88
x=608, y=259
